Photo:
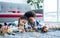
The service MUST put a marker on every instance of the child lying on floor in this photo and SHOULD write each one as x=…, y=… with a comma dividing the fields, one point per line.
x=22, y=24
x=33, y=23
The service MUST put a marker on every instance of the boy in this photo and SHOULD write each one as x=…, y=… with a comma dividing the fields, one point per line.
x=33, y=22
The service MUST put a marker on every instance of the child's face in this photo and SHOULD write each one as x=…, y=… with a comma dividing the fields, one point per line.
x=22, y=21
x=31, y=19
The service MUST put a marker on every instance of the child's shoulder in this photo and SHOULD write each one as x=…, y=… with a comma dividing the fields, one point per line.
x=37, y=21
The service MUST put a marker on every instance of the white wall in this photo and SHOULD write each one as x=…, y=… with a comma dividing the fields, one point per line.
x=58, y=10
x=14, y=1
x=50, y=5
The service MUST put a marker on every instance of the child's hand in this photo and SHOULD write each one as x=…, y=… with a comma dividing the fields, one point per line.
x=35, y=27
x=23, y=31
x=31, y=30
x=20, y=27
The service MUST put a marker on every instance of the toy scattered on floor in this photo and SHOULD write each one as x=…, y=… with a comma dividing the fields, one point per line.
x=4, y=29
x=4, y=32
x=32, y=30
x=44, y=29
x=0, y=28
x=11, y=28
x=13, y=24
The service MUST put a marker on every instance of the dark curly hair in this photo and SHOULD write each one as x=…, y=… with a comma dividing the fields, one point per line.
x=30, y=14
x=23, y=17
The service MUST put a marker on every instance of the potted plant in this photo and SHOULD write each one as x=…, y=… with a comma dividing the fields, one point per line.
x=36, y=3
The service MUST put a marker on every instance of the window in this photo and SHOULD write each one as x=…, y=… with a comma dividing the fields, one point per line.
x=50, y=11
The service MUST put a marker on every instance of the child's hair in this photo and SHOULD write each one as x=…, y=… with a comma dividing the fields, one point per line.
x=0, y=25
x=23, y=17
x=30, y=14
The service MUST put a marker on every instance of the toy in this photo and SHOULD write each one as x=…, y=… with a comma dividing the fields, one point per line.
x=44, y=29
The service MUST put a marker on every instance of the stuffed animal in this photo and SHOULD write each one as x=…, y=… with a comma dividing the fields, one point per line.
x=44, y=29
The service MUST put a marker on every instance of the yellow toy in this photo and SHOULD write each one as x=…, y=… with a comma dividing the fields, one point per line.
x=32, y=30
x=3, y=32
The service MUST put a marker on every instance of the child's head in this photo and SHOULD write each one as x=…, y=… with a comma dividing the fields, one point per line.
x=30, y=16
x=22, y=21
x=0, y=25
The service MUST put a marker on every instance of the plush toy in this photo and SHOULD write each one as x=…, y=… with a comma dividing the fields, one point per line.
x=0, y=28
x=44, y=29
x=13, y=24
x=3, y=32
x=5, y=29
